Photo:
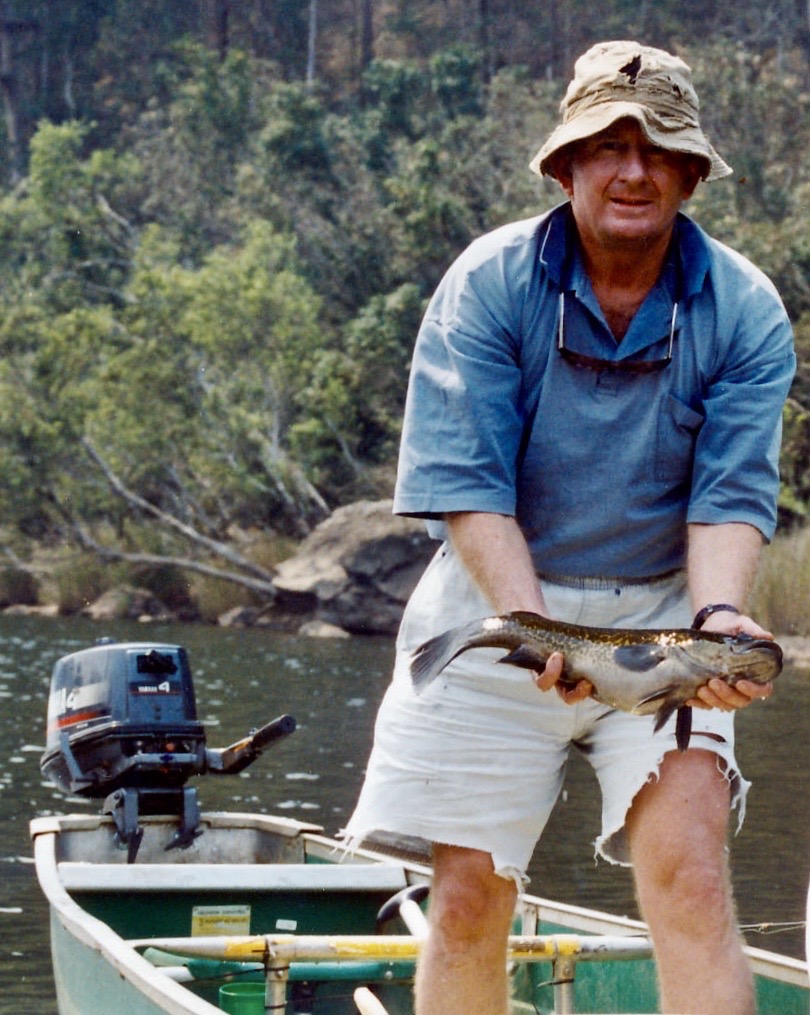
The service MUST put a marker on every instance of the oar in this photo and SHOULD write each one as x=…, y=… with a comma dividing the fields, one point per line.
x=367, y=1003
x=405, y=904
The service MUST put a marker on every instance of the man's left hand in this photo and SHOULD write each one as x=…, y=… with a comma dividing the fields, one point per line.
x=717, y=693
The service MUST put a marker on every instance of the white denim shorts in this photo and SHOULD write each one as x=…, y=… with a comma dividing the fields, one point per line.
x=478, y=759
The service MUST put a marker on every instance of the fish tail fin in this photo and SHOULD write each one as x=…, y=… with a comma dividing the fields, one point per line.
x=429, y=659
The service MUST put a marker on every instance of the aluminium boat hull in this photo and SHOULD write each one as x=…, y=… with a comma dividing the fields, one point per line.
x=253, y=875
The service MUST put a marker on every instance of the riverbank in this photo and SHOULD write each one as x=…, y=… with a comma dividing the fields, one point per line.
x=351, y=576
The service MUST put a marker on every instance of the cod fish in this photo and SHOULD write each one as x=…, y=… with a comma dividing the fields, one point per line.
x=639, y=671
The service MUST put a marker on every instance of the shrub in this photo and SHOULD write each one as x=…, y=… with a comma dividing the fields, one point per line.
x=782, y=589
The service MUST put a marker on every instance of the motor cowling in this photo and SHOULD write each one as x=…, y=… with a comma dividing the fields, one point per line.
x=122, y=714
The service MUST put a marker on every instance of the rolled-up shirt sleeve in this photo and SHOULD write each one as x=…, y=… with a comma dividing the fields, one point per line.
x=463, y=417
x=736, y=469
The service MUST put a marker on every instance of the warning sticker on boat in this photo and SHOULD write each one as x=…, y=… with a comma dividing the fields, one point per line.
x=208, y=921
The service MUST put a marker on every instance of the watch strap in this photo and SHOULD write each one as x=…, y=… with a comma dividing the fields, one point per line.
x=703, y=615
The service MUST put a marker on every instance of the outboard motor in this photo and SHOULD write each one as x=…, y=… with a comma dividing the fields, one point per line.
x=122, y=725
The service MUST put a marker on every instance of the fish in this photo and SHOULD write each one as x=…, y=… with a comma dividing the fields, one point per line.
x=643, y=672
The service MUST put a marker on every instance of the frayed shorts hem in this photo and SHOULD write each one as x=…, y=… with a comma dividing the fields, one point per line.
x=478, y=758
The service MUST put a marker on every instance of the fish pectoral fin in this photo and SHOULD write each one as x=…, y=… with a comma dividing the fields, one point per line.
x=663, y=695
x=669, y=704
x=525, y=657
x=663, y=714
x=639, y=657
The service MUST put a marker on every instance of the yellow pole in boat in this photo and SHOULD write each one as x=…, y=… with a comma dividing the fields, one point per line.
x=325, y=947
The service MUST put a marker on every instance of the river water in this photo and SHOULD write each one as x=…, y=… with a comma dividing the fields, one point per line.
x=333, y=687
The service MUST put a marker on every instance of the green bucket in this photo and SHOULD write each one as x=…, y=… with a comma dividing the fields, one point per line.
x=242, y=998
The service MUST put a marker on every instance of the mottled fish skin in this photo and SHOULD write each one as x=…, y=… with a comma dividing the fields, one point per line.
x=644, y=672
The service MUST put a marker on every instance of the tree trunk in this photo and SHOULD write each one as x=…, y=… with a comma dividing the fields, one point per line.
x=485, y=41
x=312, y=41
x=554, y=61
x=367, y=35
x=67, y=91
x=169, y=521
x=9, y=27
x=217, y=31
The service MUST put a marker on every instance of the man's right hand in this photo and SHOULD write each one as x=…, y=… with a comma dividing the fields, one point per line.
x=552, y=673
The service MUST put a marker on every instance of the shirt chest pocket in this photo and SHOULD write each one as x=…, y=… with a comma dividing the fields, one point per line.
x=678, y=427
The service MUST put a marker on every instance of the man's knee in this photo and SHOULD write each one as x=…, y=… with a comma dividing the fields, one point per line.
x=469, y=901
x=685, y=808
x=678, y=839
x=689, y=886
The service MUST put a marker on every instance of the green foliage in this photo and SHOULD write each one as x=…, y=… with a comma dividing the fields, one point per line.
x=434, y=220
x=293, y=139
x=393, y=89
x=80, y=580
x=355, y=398
x=213, y=112
x=769, y=96
x=213, y=271
x=69, y=237
x=455, y=80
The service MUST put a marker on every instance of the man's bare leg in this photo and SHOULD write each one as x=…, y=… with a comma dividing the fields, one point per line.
x=462, y=970
x=678, y=833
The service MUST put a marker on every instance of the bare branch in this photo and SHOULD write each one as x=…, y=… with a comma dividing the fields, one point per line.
x=36, y=570
x=169, y=521
x=86, y=541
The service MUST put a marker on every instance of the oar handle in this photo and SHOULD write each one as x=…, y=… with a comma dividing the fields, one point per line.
x=367, y=1003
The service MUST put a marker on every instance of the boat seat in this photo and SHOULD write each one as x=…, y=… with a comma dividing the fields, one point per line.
x=174, y=877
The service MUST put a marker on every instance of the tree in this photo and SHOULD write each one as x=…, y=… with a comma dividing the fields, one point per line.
x=367, y=35
x=355, y=398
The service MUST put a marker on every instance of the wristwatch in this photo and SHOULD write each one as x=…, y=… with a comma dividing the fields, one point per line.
x=703, y=615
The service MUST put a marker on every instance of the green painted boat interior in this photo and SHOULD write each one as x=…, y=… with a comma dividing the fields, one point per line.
x=627, y=987
x=169, y=914
x=272, y=912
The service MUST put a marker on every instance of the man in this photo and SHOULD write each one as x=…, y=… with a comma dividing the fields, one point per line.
x=592, y=426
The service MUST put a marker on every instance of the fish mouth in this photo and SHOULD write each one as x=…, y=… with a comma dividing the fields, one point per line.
x=742, y=646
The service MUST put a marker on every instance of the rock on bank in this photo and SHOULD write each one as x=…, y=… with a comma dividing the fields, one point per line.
x=356, y=569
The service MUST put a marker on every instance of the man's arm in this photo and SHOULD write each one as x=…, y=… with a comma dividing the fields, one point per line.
x=494, y=552
x=722, y=563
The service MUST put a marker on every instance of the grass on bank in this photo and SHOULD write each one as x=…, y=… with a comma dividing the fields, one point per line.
x=781, y=595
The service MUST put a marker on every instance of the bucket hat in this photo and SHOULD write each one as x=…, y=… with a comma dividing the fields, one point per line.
x=613, y=80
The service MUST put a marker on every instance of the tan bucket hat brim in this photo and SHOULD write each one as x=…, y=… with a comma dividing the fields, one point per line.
x=615, y=80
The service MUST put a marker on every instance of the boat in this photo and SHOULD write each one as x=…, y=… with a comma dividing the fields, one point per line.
x=159, y=907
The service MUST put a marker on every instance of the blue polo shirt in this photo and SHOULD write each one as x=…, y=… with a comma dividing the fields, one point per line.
x=601, y=468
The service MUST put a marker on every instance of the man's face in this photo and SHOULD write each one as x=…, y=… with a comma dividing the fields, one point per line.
x=625, y=191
